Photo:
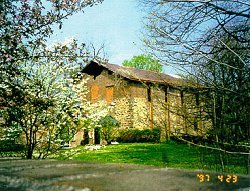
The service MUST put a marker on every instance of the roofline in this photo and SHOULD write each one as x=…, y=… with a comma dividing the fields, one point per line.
x=131, y=78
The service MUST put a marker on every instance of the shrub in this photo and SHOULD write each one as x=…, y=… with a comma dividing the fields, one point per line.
x=139, y=136
x=9, y=145
x=108, y=128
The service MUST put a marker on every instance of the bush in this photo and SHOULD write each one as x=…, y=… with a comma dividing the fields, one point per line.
x=108, y=128
x=139, y=136
x=9, y=145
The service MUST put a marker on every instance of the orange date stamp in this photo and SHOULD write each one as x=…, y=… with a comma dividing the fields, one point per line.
x=221, y=178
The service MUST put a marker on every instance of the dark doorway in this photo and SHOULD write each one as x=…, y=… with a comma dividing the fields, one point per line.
x=97, y=136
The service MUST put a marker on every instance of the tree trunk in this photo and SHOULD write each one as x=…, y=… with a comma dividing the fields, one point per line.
x=29, y=152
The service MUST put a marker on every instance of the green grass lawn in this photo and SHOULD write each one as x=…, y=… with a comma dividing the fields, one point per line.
x=170, y=154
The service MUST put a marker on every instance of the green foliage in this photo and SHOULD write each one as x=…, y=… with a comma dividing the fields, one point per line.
x=139, y=136
x=10, y=145
x=108, y=129
x=11, y=133
x=144, y=62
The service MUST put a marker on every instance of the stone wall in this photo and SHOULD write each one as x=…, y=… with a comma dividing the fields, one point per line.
x=140, y=113
x=78, y=137
x=122, y=112
x=176, y=117
x=159, y=107
x=173, y=111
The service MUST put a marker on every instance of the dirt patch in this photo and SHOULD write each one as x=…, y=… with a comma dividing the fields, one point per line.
x=52, y=175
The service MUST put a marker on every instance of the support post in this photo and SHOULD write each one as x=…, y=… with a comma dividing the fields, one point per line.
x=150, y=102
x=183, y=108
x=198, y=105
x=167, y=109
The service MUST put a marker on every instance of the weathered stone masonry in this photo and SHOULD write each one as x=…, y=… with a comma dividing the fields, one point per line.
x=144, y=99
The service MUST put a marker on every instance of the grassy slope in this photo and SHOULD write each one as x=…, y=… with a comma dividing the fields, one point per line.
x=166, y=155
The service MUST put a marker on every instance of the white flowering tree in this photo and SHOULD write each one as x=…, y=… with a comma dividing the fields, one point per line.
x=99, y=117
x=34, y=92
x=94, y=113
x=50, y=110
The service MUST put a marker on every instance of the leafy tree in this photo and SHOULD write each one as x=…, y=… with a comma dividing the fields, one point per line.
x=50, y=110
x=28, y=103
x=144, y=62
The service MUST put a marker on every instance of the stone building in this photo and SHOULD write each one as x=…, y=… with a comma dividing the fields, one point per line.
x=145, y=99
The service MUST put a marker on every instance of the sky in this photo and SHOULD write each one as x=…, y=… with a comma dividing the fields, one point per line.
x=114, y=23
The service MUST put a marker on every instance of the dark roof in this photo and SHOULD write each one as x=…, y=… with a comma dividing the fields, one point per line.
x=95, y=68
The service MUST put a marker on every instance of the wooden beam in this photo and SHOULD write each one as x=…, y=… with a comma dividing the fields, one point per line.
x=183, y=108
x=150, y=102
x=94, y=93
x=167, y=109
x=198, y=106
